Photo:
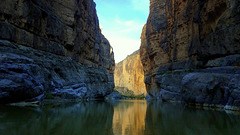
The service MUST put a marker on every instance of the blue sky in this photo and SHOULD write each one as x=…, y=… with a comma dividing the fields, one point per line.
x=121, y=22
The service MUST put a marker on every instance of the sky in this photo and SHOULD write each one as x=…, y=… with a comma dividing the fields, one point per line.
x=121, y=22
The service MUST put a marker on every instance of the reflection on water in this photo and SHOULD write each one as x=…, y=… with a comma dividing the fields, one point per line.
x=92, y=118
x=116, y=118
x=129, y=118
x=170, y=119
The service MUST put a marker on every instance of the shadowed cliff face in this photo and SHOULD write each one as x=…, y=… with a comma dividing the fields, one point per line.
x=66, y=28
x=184, y=30
x=129, y=74
x=185, y=35
x=49, y=45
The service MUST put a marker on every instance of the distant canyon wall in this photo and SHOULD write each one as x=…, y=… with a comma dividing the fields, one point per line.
x=129, y=74
x=190, y=51
x=48, y=45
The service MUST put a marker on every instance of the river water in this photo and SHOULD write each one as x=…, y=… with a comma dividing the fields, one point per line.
x=135, y=117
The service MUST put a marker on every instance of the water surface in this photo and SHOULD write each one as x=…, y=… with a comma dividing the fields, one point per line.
x=136, y=117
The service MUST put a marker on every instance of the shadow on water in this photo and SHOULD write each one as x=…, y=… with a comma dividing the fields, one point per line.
x=116, y=118
x=175, y=119
x=91, y=118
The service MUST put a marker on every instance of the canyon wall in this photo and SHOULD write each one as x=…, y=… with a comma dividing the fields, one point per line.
x=53, y=46
x=129, y=74
x=190, y=51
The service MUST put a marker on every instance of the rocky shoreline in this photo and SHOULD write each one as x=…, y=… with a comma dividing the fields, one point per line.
x=27, y=73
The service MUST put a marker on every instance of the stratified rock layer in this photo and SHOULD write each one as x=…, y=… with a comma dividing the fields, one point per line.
x=129, y=74
x=53, y=45
x=203, y=37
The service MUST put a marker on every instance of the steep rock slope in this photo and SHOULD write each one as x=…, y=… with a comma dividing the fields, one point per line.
x=53, y=46
x=129, y=74
x=202, y=37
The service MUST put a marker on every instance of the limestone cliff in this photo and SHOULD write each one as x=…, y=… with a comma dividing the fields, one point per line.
x=129, y=74
x=55, y=45
x=202, y=37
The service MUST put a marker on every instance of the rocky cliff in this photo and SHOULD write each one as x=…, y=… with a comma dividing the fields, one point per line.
x=190, y=51
x=129, y=74
x=53, y=47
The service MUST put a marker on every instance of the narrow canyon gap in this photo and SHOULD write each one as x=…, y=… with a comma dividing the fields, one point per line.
x=190, y=51
x=122, y=22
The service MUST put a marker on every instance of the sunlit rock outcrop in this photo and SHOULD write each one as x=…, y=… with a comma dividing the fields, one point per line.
x=129, y=74
x=193, y=36
x=53, y=46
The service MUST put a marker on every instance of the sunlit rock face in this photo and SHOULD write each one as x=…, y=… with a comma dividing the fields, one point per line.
x=183, y=36
x=47, y=45
x=129, y=74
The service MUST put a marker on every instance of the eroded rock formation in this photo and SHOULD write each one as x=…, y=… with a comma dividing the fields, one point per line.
x=129, y=74
x=53, y=46
x=190, y=51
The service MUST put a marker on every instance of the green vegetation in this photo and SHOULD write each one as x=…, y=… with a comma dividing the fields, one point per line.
x=175, y=72
x=136, y=96
x=49, y=96
x=166, y=72
x=128, y=93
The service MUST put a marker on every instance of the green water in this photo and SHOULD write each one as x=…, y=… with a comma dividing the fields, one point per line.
x=116, y=118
